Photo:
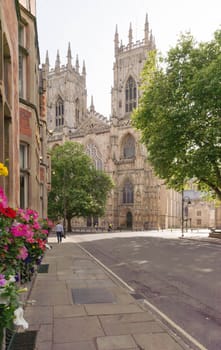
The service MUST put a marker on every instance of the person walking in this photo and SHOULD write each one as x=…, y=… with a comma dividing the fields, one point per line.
x=59, y=231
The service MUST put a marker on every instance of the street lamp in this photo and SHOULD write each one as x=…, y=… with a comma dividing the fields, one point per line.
x=188, y=201
x=64, y=202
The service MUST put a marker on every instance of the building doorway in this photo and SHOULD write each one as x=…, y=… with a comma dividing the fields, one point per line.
x=129, y=220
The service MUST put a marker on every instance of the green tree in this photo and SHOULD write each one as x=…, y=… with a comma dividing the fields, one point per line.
x=77, y=188
x=179, y=114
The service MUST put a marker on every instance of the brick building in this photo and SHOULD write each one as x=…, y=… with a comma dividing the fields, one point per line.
x=23, y=128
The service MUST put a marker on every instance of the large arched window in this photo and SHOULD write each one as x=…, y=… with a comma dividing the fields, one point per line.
x=130, y=95
x=128, y=192
x=93, y=152
x=59, y=112
x=128, y=147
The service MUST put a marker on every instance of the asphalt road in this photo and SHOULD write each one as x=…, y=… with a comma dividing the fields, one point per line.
x=180, y=277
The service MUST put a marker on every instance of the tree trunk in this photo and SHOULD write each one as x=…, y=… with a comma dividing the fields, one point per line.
x=69, y=224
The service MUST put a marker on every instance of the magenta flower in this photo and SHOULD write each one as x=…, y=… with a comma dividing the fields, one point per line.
x=36, y=226
x=33, y=215
x=2, y=280
x=21, y=230
x=27, y=215
x=3, y=199
x=23, y=253
x=44, y=232
x=30, y=240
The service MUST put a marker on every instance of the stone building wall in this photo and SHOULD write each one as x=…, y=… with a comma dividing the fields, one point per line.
x=9, y=100
x=22, y=129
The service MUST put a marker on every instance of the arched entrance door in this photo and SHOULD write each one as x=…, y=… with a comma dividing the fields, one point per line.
x=129, y=220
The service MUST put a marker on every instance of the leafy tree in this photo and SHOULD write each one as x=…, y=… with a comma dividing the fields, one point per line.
x=78, y=189
x=179, y=114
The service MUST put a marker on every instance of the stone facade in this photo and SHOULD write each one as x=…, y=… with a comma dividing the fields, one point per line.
x=23, y=127
x=198, y=213
x=139, y=199
x=34, y=170
x=9, y=101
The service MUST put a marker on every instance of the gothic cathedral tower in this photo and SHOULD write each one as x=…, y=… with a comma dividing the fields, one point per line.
x=139, y=200
x=129, y=62
x=66, y=94
x=135, y=199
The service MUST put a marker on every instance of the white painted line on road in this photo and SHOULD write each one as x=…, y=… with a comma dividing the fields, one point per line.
x=160, y=313
x=174, y=325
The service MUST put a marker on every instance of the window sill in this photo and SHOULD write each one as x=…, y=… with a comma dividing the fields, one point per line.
x=125, y=161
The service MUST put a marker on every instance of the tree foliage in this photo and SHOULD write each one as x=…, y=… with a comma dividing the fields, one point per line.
x=77, y=188
x=179, y=114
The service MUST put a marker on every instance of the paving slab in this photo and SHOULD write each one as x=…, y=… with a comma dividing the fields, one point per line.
x=126, y=318
x=131, y=327
x=44, y=333
x=106, y=283
x=90, y=276
x=44, y=346
x=120, y=342
x=50, y=292
x=52, y=267
x=39, y=314
x=76, y=346
x=69, y=311
x=72, y=283
x=76, y=329
x=107, y=309
x=156, y=341
x=47, y=277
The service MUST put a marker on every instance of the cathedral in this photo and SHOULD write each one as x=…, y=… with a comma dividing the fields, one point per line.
x=139, y=200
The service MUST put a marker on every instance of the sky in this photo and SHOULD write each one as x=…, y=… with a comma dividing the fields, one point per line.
x=89, y=26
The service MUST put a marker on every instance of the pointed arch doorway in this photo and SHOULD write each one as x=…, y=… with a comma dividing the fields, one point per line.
x=129, y=220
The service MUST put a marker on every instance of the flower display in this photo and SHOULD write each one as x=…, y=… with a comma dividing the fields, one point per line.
x=19, y=318
x=3, y=199
x=23, y=240
x=3, y=170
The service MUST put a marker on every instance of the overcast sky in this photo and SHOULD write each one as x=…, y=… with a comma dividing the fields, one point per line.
x=89, y=26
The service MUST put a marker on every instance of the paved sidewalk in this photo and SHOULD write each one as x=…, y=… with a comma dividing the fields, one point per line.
x=79, y=305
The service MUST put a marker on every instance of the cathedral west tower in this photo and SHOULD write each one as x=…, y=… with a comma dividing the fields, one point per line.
x=129, y=62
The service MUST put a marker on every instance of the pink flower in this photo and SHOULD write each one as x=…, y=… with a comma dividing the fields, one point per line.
x=3, y=199
x=36, y=226
x=2, y=280
x=44, y=232
x=23, y=253
x=27, y=216
x=33, y=215
x=23, y=214
x=30, y=240
x=41, y=244
x=21, y=230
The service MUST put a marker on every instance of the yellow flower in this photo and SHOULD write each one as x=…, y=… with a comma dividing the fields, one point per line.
x=3, y=170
